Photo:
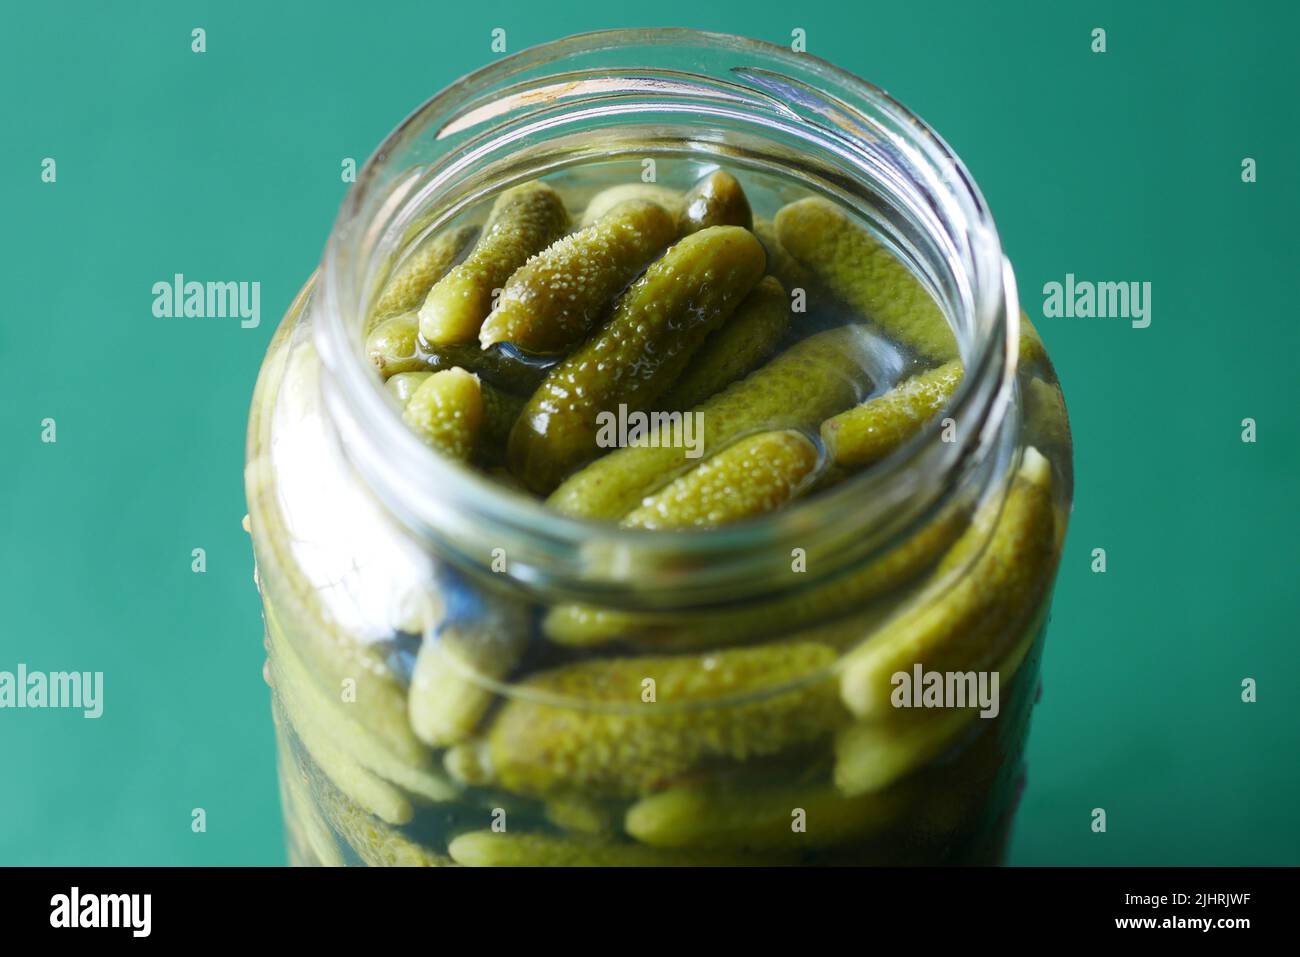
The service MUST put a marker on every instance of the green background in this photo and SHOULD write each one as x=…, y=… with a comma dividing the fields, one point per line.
x=225, y=165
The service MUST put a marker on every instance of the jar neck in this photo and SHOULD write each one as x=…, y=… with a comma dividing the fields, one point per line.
x=626, y=93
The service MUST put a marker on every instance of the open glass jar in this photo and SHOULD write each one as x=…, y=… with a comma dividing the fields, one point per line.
x=464, y=673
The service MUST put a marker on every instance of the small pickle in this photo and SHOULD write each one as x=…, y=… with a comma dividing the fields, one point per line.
x=502, y=849
x=716, y=200
x=798, y=389
x=974, y=622
x=866, y=434
x=451, y=684
x=668, y=199
x=579, y=814
x=755, y=475
x=744, y=342
x=864, y=274
x=403, y=385
x=395, y=348
x=446, y=411
x=410, y=283
x=637, y=355
x=524, y=221
x=614, y=741
x=552, y=302
x=748, y=816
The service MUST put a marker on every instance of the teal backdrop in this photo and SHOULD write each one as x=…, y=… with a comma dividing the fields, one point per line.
x=1122, y=165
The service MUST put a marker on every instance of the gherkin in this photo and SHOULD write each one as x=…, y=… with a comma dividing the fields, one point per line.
x=619, y=727
x=743, y=343
x=637, y=355
x=558, y=296
x=750, y=815
x=524, y=221
x=446, y=411
x=866, y=275
x=403, y=385
x=670, y=200
x=510, y=849
x=813, y=379
x=716, y=200
x=410, y=283
x=871, y=431
x=974, y=622
x=755, y=475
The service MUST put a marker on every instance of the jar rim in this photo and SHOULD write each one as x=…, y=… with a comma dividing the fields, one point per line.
x=567, y=546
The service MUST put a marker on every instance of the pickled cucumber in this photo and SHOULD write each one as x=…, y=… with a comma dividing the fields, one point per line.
x=866, y=434
x=376, y=844
x=553, y=301
x=668, y=199
x=614, y=743
x=403, y=385
x=451, y=685
x=972, y=624
x=395, y=348
x=744, y=815
x=637, y=355
x=508, y=849
x=755, y=475
x=500, y=411
x=524, y=221
x=716, y=200
x=743, y=343
x=813, y=379
x=864, y=274
x=446, y=411
x=410, y=283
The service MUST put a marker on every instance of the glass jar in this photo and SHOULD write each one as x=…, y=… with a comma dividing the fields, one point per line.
x=463, y=675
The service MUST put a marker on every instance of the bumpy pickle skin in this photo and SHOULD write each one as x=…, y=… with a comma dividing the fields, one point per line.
x=868, y=433
x=524, y=221
x=716, y=200
x=756, y=474
x=626, y=746
x=410, y=283
x=446, y=411
x=736, y=349
x=864, y=274
x=670, y=200
x=973, y=624
x=376, y=844
x=554, y=300
x=655, y=328
x=508, y=849
x=729, y=815
x=799, y=388
x=393, y=346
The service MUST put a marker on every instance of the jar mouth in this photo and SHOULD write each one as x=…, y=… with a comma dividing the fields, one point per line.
x=505, y=121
